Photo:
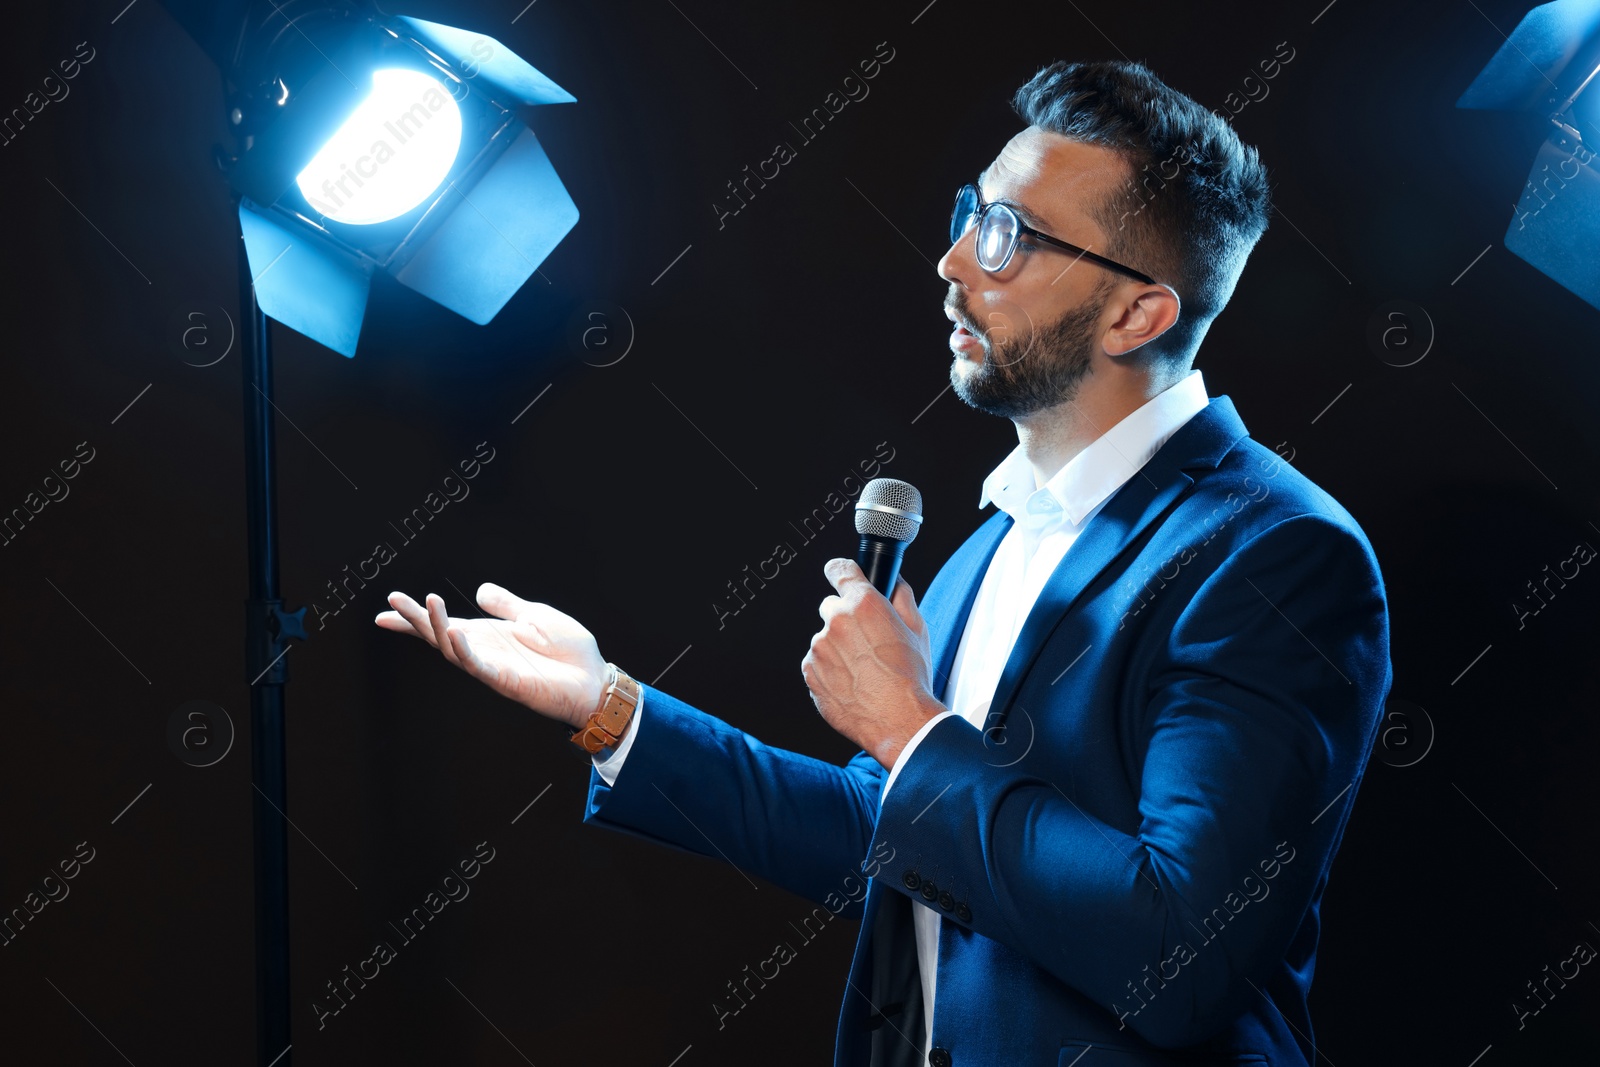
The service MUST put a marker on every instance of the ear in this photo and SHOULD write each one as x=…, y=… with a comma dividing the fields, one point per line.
x=1151, y=311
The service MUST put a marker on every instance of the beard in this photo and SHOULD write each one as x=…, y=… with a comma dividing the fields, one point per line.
x=1032, y=371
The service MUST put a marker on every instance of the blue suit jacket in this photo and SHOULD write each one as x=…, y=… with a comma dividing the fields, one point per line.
x=1131, y=853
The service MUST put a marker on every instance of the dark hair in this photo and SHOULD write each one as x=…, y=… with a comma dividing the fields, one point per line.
x=1197, y=201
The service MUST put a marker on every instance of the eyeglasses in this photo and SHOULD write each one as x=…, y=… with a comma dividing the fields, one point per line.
x=999, y=227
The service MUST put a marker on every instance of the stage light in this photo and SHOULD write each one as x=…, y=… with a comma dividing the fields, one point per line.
x=371, y=143
x=363, y=143
x=393, y=150
x=1548, y=65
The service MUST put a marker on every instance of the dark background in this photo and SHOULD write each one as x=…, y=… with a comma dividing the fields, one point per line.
x=796, y=338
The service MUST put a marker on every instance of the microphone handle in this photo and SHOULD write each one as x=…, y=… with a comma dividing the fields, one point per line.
x=879, y=558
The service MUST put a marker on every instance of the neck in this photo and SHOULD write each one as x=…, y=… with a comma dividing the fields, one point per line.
x=1052, y=436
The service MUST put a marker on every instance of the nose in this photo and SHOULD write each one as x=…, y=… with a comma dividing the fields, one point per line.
x=957, y=264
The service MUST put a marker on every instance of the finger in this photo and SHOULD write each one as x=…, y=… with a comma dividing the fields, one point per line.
x=829, y=607
x=840, y=572
x=393, y=620
x=441, y=625
x=905, y=602
x=499, y=601
x=808, y=665
x=413, y=613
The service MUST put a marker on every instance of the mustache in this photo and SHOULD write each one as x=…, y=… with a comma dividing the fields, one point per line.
x=964, y=320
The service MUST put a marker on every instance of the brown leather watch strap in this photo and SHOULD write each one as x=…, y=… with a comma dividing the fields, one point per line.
x=606, y=726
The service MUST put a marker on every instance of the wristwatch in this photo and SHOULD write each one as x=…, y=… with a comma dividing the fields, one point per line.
x=606, y=726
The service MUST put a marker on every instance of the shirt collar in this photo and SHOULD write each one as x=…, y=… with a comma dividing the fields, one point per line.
x=1102, y=467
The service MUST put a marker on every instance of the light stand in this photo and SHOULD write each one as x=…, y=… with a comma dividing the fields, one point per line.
x=267, y=631
x=297, y=73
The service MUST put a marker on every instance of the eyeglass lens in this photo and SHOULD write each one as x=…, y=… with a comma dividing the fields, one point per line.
x=961, y=214
x=996, y=235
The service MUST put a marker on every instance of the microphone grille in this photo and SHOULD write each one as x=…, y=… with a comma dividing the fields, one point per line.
x=889, y=508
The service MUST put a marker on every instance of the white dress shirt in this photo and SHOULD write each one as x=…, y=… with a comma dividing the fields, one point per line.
x=1046, y=521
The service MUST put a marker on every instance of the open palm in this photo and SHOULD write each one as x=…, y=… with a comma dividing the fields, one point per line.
x=529, y=652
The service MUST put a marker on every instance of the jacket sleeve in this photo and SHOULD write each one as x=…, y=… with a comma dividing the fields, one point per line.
x=695, y=783
x=1255, y=718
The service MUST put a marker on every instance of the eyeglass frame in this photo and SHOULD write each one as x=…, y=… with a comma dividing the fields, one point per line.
x=1023, y=228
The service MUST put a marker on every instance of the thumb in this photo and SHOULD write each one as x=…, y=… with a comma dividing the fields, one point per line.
x=500, y=601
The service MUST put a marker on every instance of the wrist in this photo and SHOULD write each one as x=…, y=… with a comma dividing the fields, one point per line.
x=923, y=709
x=606, y=725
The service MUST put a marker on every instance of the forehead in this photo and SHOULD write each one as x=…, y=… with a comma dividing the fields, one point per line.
x=1050, y=178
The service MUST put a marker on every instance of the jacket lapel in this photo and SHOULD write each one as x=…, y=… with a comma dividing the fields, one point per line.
x=1154, y=489
x=949, y=601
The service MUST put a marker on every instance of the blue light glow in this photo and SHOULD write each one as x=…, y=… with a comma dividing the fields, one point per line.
x=389, y=155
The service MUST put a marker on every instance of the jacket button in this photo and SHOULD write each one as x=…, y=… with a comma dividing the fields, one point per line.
x=947, y=900
x=963, y=912
x=910, y=879
x=939, y=1057
x=930, y=891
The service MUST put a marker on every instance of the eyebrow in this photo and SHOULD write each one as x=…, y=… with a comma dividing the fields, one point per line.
x=1027, y=216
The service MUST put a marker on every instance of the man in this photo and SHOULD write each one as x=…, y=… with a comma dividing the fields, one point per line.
x=1107, y=763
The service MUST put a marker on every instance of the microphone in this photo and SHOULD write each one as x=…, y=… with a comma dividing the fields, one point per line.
x=888, y=515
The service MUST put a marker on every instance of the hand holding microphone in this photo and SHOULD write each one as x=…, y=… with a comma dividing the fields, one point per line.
x=869, y=668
